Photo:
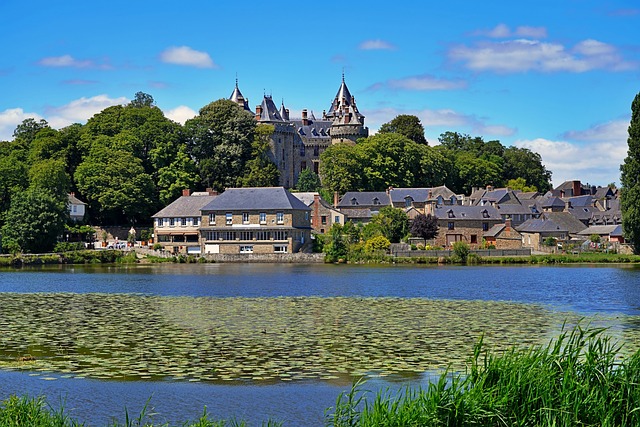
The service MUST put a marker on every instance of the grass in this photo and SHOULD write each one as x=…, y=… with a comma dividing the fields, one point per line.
x=576, y=380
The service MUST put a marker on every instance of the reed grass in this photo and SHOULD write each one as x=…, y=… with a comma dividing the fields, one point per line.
x=577, y=379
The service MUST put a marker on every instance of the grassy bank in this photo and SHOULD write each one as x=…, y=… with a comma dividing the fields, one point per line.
x=577, y=379
x=72, y=257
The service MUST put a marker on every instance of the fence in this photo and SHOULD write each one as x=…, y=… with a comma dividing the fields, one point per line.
x=447, y=253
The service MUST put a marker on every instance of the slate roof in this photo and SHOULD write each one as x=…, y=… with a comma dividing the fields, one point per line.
x=495, y=230
x=267, y=198
x=515, y=209
x=364, y=198
x=611, y=230
x=238, y=98
x=185, y=206
x=566, y=220
x=602, y=192
x=269, y=111
x=528, y=195
x=581, y=201
x=306, y=197
x=552, y=202
x=466, y=212
x=357, y=213
x=540, y=225
x=420, y=195
x=75, y=201
x=315, y=128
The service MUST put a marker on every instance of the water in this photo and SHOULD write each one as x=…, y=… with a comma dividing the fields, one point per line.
x=585, y=290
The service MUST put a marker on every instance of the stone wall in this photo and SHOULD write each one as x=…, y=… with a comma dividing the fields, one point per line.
x=266, y=258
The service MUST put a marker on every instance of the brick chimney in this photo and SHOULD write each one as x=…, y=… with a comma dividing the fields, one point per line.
x=567, y=205
x=186, y=192
x=577, y=188
x=258, y=112
x=316, y=210
x=507, y=226
x=211, y=191
x=305, y=120
x=336, y=199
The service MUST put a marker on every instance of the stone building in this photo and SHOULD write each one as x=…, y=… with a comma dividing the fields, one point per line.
x=297, y=143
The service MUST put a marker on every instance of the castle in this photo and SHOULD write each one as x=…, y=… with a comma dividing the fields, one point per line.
x=296, y=144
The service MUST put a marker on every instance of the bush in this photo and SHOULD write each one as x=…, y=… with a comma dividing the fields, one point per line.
x=68, y=246
x=157, y=246
x=378, y=243
x=460, y=252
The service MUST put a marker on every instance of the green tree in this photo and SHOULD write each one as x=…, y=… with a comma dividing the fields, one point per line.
x=406, y=125
x=341, y=168
x=335, y=247
x=378, y=243
x=50, y=176
x=26, y=132
x=630, y=181
x=476, y=172
x=116, y=186
x=260, y=171
x=142, y=99
x=520, y=184
x=33, y=222
x=308, y=181
x=393, y=223
x=13, y=175
x=180, y=174
x=461, y=251
x=424, y=226
x=220, y=140
x=524, y=163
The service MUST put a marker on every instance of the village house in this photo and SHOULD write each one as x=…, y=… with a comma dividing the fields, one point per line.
x=562, y=226
x=77, y=208
x=323, y=215
x=360, y=206
x=176, y=227
x=263, y=220
x=463, y=223
x=503, y=236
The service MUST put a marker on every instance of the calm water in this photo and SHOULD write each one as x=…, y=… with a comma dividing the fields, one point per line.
x=585, y=290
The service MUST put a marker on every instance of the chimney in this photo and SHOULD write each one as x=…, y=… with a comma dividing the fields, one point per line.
x=336, y=199
x=316, y=210
x=561, y=194
x=72, y=194
x=489, y=187
x=507, y=226
x=577, y=188
x=186, y=192
x=567, y=205
x=258, y=112
x=305, y=121
x=211, y=191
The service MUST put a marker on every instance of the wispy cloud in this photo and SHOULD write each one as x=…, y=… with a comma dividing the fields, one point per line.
x=419, y=83
x=71, y=62
x=376, y=45
x=79, y=82
x=521, y=55
x=180, y=114
x=594, y=154
x=184, y=55
x=80, y=110
x=502, y=31
x=442, y=119
x=11, y=118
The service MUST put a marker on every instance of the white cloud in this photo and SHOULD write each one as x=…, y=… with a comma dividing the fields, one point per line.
x=184, y=55
x=533, y=32
x=64, y=61
x=376, y=45
x=420, y=83
x=80, y=110
x=11, y=118
x=502, y=31
x=593, y=155
x=521, y=55
x=180, y=114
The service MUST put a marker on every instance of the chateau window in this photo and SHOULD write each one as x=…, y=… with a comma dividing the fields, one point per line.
x=195, y=221
x=245, y=217
x=316, y=150
x=302, y=150
x=212, y=219
x=323, y=219
x=172, y=222
x=229, y=218
x=279, y=235
x=303, y=166
x=450, y=225
x=485, y=226
x=306, y=216
x=280, y=217
x=263, y=217
x=280, y=249
x=316, y=167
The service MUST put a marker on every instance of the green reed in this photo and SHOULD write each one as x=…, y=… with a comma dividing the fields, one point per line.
x=577, y=379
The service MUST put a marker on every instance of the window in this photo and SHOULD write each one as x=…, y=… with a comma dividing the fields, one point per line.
x=183, y=221
x=172, y=222
x=408, y=202
x=196, y=221
x=279, y=235
x=157, y=222
x=302, y=152
x=336, y=220
x=212, y=219
x=263, y=217
x=213, y=235
x=303, y=165
x=280, y=217
x=450, y=225
x=247, y=249
x=485, y=214
x=245, y=217
x=229, y=235
x=229, y=217
x=354, y=201
x=316, y=167
x=263, y=235
x=474, y=238
x=246, y=235
x=323, y=219
x=280, y=249
x=316, y=150
x=376, y=201
x=306, y=216
x=74, y=208
x=485, y=226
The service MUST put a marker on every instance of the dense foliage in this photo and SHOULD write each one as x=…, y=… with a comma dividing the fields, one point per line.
x=630, y=179
x=424, y=226
x=406, y=125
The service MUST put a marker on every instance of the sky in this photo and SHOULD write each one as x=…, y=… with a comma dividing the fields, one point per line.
x=554, y=76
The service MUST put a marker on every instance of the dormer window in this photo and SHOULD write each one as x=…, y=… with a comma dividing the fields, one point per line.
x=354, y=201
x=450, y=213
x=408, y=202
x=376, y=201
x=485, y=214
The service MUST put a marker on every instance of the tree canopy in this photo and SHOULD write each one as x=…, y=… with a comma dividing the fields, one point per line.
x=406, y=125
x=630, y=180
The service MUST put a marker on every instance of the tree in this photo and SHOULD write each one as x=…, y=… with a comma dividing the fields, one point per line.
x=335, y=247
x=630, y=181
x=33, y=222
x=424, y=226
x=50, y=176
x=142, y=99
x=260, y=171
x=393, y=223
x=520, y=184
x=308, y=181
x=341, y=168
x=180, y=174
x=406, y=125
x=378, y=243
x=219, y=139
x=524, y=163
x=26, y=131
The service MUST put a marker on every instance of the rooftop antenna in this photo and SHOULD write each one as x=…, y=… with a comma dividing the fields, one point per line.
x=236, y=79
x=342, y=74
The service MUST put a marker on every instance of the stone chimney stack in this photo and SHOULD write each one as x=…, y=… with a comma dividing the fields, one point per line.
x=316, y=211
x=336, y=199
x=567, y=205
x=305, y=120
x=577, y=188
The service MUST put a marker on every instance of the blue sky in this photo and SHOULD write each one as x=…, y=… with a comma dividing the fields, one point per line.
x=557, y=77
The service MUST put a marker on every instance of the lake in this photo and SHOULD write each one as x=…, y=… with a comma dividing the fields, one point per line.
x=257, y=341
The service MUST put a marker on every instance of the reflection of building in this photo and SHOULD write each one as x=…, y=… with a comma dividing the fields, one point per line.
x=296, y=144
x=263, y=220
x=176, y=226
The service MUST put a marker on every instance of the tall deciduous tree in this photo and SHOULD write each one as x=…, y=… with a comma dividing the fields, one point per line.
x=393, y=223
x=308, y=181
x=260, y=171
x=406, y=125
x=424, y=226
x=630, y=180
x=219, y=139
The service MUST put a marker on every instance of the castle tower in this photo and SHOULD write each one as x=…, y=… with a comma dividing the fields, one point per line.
x=348, y=123
x=237, y=97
